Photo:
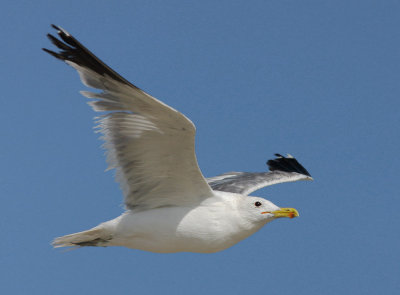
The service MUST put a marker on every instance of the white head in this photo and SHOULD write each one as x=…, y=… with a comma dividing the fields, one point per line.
x=259, y=210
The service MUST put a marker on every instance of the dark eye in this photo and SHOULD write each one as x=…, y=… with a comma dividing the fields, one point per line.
x=258, y=204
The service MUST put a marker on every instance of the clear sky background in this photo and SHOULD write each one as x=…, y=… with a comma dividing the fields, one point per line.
x=316, y=79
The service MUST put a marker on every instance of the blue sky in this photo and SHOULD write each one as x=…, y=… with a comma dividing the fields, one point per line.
x=316, y=79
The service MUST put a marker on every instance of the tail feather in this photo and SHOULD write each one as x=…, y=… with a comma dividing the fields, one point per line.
x=92, y=237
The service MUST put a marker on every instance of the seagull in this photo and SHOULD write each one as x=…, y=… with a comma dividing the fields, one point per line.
x=170, y=206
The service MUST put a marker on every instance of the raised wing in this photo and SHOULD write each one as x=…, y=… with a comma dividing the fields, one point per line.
x=281, y=170
x=150, y=144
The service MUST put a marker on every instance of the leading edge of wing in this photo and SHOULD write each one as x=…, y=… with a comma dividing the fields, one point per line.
x=150, y=144
x=282, y=169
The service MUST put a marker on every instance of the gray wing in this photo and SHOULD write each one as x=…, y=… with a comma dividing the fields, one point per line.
x=282, y=169
x=150, y=144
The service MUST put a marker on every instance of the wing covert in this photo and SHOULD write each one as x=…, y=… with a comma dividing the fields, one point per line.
x=282, y=170
x=150, y=144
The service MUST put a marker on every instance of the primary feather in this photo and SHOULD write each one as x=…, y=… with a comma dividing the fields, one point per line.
x=282, y=170
x=171, y=207
x=150, y=144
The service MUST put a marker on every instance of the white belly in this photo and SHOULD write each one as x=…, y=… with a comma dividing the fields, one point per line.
x=172, y=229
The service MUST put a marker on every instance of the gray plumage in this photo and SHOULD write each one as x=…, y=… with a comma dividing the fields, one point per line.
x=283, y=169
x=150, y=144
x=171, y=207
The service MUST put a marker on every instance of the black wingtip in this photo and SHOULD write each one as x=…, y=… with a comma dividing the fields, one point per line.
x=51, y=52
x=71, y=50
x=287, y=164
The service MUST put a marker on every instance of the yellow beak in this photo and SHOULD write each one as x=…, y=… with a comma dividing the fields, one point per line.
x=285, y=212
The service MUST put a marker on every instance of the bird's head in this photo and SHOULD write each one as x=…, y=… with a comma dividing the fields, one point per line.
x=261, y=210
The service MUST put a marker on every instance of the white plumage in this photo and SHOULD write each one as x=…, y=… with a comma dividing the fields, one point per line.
x=170, y=206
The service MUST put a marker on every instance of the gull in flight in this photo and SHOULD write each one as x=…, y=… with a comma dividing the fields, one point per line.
x=170, y=206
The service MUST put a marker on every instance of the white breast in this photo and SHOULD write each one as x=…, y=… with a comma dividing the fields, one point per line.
x=207, y=228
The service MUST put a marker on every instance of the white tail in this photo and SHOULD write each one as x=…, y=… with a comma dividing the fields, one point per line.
x=92, y=237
